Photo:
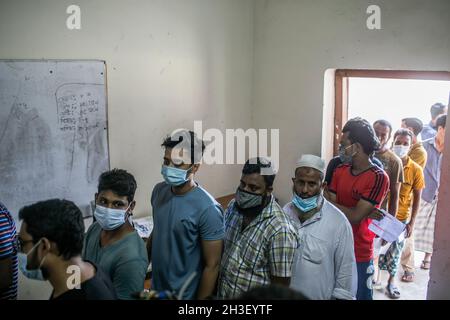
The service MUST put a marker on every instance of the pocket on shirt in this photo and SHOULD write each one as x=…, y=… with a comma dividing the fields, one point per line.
x=314, y=249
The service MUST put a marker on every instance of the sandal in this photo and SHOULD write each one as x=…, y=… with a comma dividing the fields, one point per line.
x=408, y=276
x=392, y=291
x=425, y=265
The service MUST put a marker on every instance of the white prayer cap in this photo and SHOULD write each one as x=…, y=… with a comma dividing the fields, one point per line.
x=311, y=161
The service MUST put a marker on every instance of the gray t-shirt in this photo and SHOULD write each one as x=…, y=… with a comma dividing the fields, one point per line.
x=124, y=261
x=180, y=222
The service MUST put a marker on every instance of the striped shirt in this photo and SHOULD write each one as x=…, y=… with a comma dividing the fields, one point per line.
x=264, y=249
x=8, y=249
x=370, y=185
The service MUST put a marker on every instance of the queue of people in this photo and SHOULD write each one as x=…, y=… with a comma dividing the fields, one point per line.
x=318, y=244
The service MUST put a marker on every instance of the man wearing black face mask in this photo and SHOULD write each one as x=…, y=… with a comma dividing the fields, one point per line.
x=260, y=241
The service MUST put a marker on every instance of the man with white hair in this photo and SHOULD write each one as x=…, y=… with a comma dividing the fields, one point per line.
x=325, y=261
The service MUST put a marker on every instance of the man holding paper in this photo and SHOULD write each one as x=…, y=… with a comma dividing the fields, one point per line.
x=410, y=191
x=357, y=188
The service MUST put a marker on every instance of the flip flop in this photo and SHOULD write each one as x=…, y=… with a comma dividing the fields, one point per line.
x=392, y=291
x=408, y=276
x=425, y=265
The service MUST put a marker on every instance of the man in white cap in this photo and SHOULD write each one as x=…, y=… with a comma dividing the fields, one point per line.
x=324, y=264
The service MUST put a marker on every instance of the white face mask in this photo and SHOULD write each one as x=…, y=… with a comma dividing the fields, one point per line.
x=401, y=151
x=110, y=219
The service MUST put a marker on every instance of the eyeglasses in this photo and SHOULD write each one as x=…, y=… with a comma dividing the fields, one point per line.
x=21, y=243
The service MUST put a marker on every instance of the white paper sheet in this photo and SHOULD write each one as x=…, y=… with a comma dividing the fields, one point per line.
x=388, y=228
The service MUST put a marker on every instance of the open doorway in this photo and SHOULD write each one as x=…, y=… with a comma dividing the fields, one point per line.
x=389, y=95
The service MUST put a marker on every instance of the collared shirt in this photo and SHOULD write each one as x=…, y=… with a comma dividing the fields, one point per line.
x=432, y=171
x=264, y=249
x=414, y=180
x=418, y=154
x=428, y=131
x=325, y=259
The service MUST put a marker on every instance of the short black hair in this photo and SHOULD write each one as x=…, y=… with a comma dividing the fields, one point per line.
x=60, y=221
x=360, y=131
x=119, y=181
x=415, y=123
x=404, y=132
x=255, y=165
x=196, y=145
x=440, y=121
x=436, y=110
x=384, y=123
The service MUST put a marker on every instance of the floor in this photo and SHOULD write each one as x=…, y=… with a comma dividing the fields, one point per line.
x=416, y=290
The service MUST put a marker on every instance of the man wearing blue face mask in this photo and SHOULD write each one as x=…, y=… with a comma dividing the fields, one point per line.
x=186, y=242
x=260, y=240
x=50, y=241
x=324, y=265
x=112, y=242
x=358, y=188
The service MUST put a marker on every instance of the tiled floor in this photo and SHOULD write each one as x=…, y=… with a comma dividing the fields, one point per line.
x=416, y=290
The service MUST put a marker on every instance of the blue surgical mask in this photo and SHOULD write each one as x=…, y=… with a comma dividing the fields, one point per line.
x=346, y=159
x=35, y=274
x=174, y=176
x=110, y=219
x=305, y=204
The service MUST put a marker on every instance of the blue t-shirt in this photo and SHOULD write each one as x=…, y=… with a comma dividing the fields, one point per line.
x=180, y=222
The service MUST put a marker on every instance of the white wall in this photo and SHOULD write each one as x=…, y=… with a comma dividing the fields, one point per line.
x=230, y=63
x=169, y=62
x=297, y=40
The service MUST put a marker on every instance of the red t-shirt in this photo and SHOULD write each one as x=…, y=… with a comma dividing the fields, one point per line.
x=371, y=185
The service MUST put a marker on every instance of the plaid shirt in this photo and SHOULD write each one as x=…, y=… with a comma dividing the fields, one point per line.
x=265, y=248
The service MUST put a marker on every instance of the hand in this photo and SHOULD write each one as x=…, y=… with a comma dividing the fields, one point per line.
x=376, y=214
x=409, y=230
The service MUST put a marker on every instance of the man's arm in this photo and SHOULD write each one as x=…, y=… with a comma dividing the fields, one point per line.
x=364, y=209
x=344, y=258
x=212, y=252
x=394, y=192
x=283, y=245
x=415, y=208
x=6, y=271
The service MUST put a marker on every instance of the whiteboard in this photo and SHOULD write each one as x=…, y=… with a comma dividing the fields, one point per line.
x=53, y=131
